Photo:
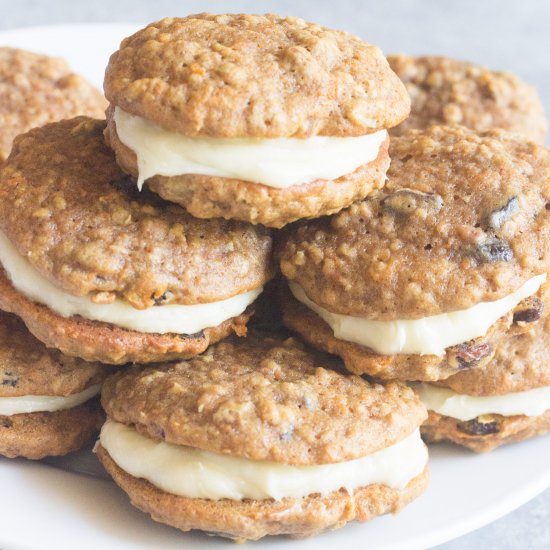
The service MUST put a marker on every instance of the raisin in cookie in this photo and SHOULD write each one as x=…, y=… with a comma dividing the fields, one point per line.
x=507, y=401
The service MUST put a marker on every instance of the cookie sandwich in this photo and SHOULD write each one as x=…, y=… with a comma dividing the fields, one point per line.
x=260, y=118
x=420, y=281
x=448, y=91
x=49, y=403
x=257, y=437
x=507, y=401
x=37, y=89
x=102, y=272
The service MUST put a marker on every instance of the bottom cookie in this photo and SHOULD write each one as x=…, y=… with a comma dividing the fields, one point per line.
x=251, y=520
x=358, y=359
x=485, y=433
x=98, y=341
x=40, y=434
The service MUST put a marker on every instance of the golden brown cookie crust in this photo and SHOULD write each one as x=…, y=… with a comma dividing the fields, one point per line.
x=500, y=430
x=264, y=76
x=41, y=434
x=264, y=398
x=251, y=520
x=27, y=367
x=37, y=89
x=471, y=356
x=67, y=207
x=448, y=91
x=218, y=197
x=96, y=341
x=521, y=363
x=462, y=219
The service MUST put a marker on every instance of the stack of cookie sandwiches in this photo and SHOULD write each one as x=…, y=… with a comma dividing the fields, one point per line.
x=114, y=249
x=144, y=241
x=265, y=120
x=443, y=267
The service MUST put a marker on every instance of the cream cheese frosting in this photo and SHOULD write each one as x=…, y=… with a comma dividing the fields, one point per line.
x=466, y=407
x=194, y=473
x=278, y=162
x=170, y=318
x=45, y=403
x=426, y=336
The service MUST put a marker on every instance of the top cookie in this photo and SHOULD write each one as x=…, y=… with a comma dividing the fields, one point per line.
x=27, y=367
x=66, y=206
x=37, y=89
x=463, y=219
x=447, y=91
x=521, y=363
x=262, y=76
x=264, y=398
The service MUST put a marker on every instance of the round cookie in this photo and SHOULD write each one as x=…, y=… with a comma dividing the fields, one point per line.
x=463, y=222
x=519, y=370
x=448, y=91
x=267, y=403
x=250, y=81
x=29, y=370
x=37, y=89
x=87, y=256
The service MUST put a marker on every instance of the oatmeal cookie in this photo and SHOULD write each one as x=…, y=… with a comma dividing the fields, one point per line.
x=521, y=365
x=448, y=91
x=44, y=425
x=69, y=219
x=272, y=405
x=254, y=80
x=96, y=341
x=217, y=197
x=259, y=76
x=37, y=89
x=463, y=219
x=69, y=209
x=463, y=222
x=253, y=519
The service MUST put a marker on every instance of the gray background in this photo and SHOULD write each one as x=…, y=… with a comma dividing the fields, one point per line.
x=502, y=34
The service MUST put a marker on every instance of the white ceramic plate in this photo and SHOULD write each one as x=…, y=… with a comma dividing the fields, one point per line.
x=46, y=508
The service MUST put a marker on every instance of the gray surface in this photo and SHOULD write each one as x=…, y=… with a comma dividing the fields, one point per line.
x=512, y=35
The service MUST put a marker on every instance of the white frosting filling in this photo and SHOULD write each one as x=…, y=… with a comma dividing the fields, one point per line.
x=194, y=473
x=170, y=318
x=279, y=162
x=426, y=336
x=49, y=403
x=465, y=407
